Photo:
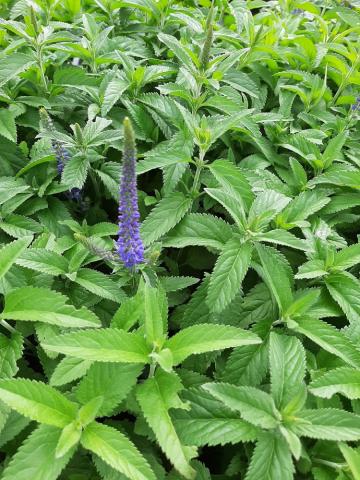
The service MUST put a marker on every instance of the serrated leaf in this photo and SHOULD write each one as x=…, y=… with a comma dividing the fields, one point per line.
x=24, y=464
x=342, y=380
x=287, y=368
x=256, y=407
x=327, y=424
x=68, y=370
x=41, y=304
x=199, y=229
x=75, y=172
x=10, y=252
x=275, y=276
x=105, y=345
x=117, y=451
x=347, y=257
x=345, y=290
x=206, y=338
x=329, y=338
x=38, y=401
x=156, y=396
x=7, y=125
x=271, y=459
x=10, y=351
x=229, y=272
x=100, y=284
x=44, y=261
x=167, y=213
x=113, y=381
x=210, y=422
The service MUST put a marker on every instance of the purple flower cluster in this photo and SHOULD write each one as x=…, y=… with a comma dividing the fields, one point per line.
x=129, y=245
x=61, y=154
x=355, y=107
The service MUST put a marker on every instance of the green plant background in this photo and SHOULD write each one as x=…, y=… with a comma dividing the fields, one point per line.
x=233, y=351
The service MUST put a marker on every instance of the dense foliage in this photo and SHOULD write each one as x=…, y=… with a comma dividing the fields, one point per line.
x=200, y=319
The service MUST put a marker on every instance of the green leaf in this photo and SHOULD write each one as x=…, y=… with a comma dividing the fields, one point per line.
x=69, y=437
x=38, y=401
x=44, y=465
x=117, y=451
x=44, y=261
x=342, y=380
x=156, y=396
x=207, y=338
x=154, y=325
x=112, y=380
x=10, y=351
x=128, y=313
x=41, y=304
x=347, y=257
x=327, y=424
x=100, y=284
x=352, y=458
x=167, y=213
x=173, y=284
x=275, y=276
x=180, y=50
x=231, y=178
x=345, y=290
x=68, y=370
x=271, y=459
x=282, y=237
x=210, y=422
x=333, y=149
x=105, y=345
x=7, y=125
x=255, y=406
x=14, y=64
x=328, y=338
x=264, y=208
x=75, y=172
x=10, y=252
x=287, y=368
x=199, y=229
x=229, y=272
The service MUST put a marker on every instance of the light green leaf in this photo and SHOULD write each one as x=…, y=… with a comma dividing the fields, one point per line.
x=328, y=338
x=7, y=125
x=328, y=424
x=275, y=276
x=287, y=368
x=42, y=466
x=229, y=272
x=154, y=326
x=100, y=284
x=68, y=370
x=342, y=380
x=352, y=458
x=156, y=396
x=255, y=406
x=14, y=64
x=206, y=338
x=231, y=178
x=271, y=459
x=75, y=172
x=117, y=451
x=347, y=257
x=44, y=261
x=345, y=290
x=10, y=351
x=10, y=252
x=41, y=304
x=112, y=380
x=167, y=213
x=38, y=401
x=105, y=345
x=210, y=422
x=282, y=237
x=199, y=229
